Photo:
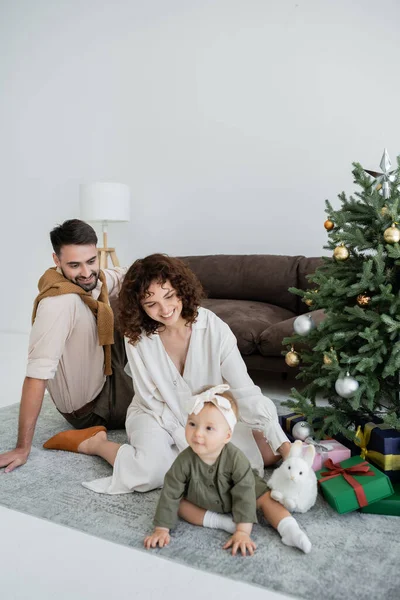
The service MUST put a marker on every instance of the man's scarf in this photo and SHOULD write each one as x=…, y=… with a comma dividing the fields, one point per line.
x=53, y=283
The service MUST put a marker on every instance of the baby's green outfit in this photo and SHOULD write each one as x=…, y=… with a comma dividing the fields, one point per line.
x=228, y=486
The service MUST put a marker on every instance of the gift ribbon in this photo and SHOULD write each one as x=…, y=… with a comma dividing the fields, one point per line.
x=360, y=469
x=387, y=462
x=320, y=448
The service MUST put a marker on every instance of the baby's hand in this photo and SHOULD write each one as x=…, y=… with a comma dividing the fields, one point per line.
x=241, y=541
x=159, y=536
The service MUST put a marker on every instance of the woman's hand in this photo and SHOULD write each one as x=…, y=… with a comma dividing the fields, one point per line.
x=241, y=541
x=160, y=537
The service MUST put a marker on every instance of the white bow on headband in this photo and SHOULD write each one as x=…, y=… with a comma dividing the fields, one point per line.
x=212, y=395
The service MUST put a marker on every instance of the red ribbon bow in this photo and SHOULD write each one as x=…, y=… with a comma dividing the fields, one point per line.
x=360, y=469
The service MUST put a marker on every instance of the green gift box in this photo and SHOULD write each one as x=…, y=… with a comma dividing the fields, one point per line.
x=387, y=506
x=352, y=483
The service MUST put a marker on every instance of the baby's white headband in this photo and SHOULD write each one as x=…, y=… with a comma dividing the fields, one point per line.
x=223, y=405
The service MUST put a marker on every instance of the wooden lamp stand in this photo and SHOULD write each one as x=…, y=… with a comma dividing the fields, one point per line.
x=106, y=252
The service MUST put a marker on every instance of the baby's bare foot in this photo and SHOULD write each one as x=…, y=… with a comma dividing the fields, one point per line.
x=90, y=445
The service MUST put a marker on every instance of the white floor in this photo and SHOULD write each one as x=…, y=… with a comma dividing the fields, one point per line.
x=41, y=560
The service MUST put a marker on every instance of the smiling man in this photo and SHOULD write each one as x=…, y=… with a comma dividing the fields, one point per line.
x=74, y=350
x=84, y=273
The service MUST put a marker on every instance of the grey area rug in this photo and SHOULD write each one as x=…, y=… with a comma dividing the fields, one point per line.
x=353, y=555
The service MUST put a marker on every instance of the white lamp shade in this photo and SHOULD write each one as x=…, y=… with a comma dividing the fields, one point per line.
x=105, y=201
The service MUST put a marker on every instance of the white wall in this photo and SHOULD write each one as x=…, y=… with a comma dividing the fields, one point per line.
x=231, y=120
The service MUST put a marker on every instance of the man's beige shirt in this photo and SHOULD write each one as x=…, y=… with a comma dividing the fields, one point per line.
x=64, y=346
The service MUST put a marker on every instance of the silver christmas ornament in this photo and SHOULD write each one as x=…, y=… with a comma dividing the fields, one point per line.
x=347, y=386
x=302, y=430
x=303, y=324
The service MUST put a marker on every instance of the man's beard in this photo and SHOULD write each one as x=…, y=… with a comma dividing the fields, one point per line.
x=88, y=287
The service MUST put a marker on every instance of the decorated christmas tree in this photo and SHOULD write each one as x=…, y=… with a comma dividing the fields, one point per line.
x=352, y=358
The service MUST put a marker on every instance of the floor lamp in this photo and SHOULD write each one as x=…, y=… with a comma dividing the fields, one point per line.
x=105, y=203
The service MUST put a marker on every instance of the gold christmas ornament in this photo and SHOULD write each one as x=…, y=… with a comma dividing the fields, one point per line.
x=329, y=225
x=363, y=299
x=310, y=301
x=328, y=359
x=341, y=252
x=292, y=359
x=384, y=211
x=391, y=235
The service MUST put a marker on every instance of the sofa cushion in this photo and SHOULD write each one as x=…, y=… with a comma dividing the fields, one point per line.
x=247, y=319
x=270, y=340
x=256, y=277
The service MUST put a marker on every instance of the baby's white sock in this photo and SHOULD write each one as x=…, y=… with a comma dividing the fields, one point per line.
x=292, y=535
x=219, y=521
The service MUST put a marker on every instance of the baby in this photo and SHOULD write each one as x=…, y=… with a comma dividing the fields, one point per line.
x=213, y=478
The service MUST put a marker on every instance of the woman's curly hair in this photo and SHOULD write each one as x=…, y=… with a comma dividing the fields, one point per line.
x=132, y=319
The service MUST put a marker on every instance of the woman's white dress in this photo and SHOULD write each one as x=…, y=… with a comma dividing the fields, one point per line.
x=156, y=418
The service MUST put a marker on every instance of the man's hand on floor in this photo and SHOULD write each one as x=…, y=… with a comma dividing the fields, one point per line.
x=13, y=459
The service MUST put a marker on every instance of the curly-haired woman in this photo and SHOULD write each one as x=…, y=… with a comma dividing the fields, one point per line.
x=175, y=348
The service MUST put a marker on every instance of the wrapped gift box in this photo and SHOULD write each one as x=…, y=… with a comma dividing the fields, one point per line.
x=335, y=450
x=361, y=488
x=379, y=444
x=329, y=449
x=354, y=449
x=326, y=449
x=387, y=506
x=287, y=422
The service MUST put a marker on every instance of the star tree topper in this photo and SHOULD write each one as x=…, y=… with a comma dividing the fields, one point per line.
x=386, y=177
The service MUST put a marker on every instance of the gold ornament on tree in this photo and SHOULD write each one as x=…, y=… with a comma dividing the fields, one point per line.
x=384, y=211
x=329, y=357
x=363, y=299
x=329, y=225
x=341, y=253
x=310, y=301
x=292, y=359
x=391, y=235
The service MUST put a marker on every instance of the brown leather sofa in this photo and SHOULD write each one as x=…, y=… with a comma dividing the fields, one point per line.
x=250, y=293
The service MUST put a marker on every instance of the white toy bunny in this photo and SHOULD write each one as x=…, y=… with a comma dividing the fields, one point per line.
x=294, y=483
